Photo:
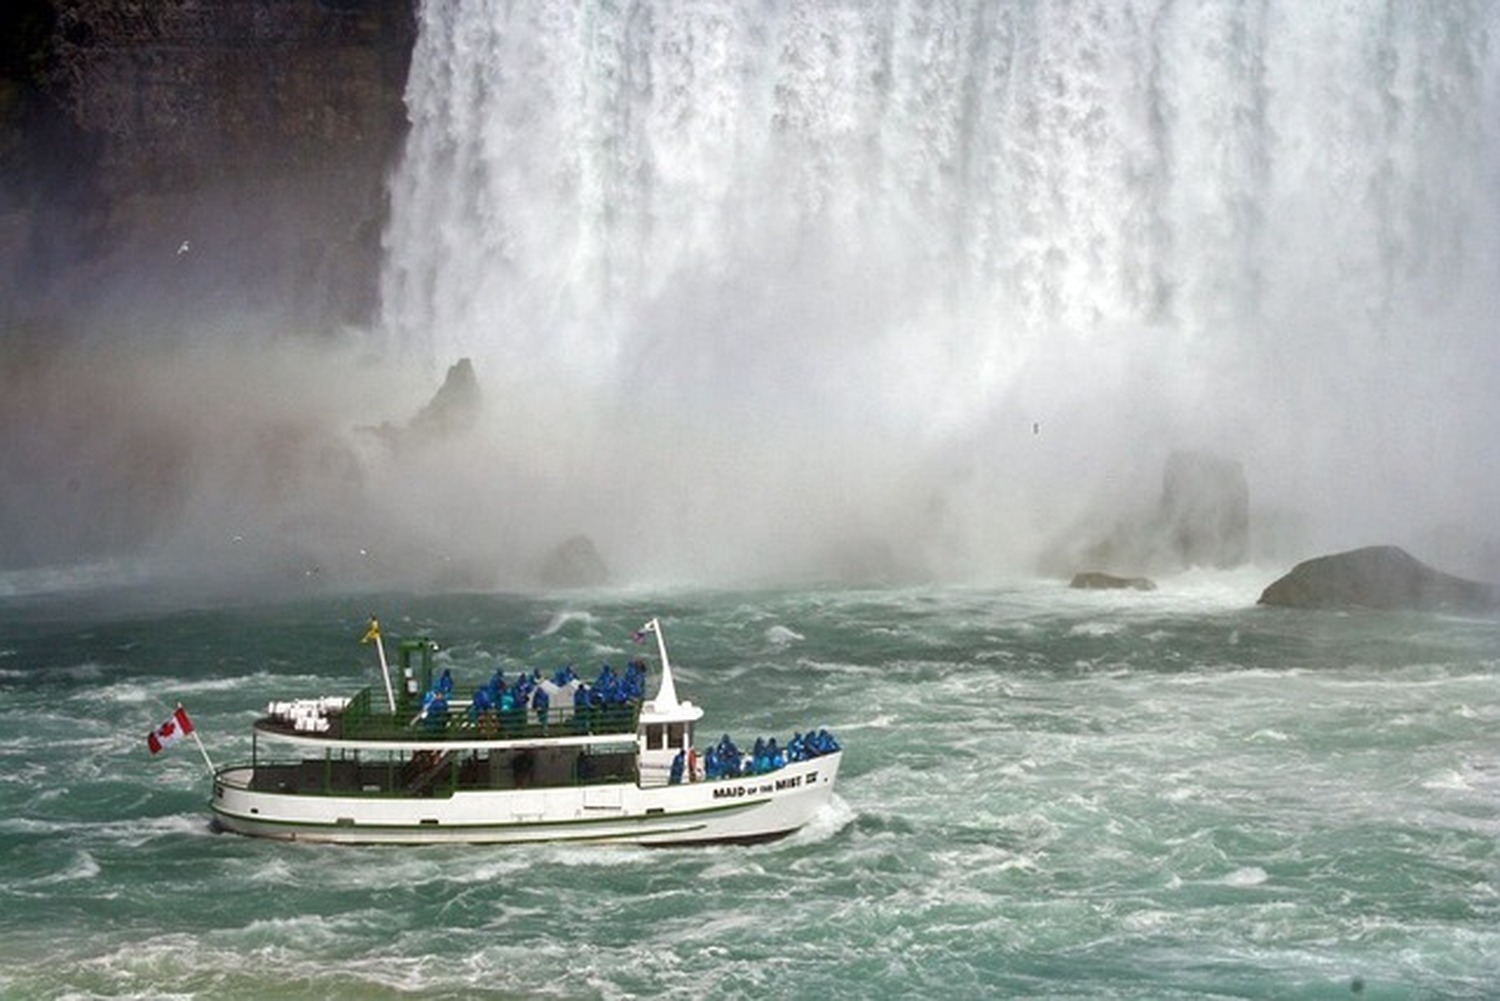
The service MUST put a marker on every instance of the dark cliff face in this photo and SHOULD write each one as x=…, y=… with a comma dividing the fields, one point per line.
x=204, y=174
x=171, y=159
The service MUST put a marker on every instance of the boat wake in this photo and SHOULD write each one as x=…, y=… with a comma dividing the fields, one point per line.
x=826, y=824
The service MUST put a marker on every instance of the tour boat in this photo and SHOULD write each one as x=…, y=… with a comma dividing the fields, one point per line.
x=586, y=762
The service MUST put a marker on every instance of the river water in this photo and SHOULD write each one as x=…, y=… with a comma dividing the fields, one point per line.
x=1045, y=793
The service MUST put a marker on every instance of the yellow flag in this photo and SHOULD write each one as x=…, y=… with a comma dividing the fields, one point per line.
x=373, y=633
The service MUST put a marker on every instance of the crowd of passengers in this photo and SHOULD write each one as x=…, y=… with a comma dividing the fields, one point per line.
x=725, y=760
x=530, y=691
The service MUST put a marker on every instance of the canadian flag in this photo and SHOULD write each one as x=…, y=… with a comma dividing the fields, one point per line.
x=174, y=729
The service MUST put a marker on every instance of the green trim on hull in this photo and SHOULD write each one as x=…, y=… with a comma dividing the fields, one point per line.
x=398, y=835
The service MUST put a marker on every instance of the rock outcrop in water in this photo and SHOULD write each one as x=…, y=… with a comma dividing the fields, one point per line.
x=1380, y=577
x=1201, y=518
x=455, y=407
x=575, y=563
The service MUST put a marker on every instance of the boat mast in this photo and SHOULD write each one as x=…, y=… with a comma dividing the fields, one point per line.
x=666, y=695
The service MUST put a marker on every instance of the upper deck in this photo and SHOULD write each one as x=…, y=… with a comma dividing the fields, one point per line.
x=363, y=721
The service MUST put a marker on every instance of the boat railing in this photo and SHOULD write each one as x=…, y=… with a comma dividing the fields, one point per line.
x=236, y=774
x=365, y=718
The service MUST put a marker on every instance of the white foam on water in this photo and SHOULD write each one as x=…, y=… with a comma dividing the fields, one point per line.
x=1452, y=780
x=142, y=833
x=826, y=824
x=1252, y=875
x=203, y=686
x=82, y=866
x=300, y=933
x=1095, y=629
x=781, y=636
x=87, y=671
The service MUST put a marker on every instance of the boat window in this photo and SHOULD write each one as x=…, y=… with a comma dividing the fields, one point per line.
x=654, y=734
x=674, y=735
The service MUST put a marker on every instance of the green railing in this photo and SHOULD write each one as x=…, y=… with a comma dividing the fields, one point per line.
x=366, y=719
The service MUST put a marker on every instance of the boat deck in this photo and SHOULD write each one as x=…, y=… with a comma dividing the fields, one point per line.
x=362, y=719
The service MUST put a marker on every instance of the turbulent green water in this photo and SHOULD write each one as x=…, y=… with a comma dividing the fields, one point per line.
x=1044, y=793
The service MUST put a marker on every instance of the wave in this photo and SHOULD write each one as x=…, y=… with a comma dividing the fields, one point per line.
x=562, y=620
x=781, y=636
x=998, y=808
x=82, y=867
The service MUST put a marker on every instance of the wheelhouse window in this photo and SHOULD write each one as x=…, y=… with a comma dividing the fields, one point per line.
x=655, y=737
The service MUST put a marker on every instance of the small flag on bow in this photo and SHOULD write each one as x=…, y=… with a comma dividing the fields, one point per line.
x=174, y=729
x=373, y=633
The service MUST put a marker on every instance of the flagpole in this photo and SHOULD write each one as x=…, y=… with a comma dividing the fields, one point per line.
x=385, y=671
x=212, y=769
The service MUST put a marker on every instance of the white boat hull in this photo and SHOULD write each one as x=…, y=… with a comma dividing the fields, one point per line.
x=750, y=808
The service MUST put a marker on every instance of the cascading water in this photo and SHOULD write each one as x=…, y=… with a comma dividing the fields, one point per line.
x=1039, y=241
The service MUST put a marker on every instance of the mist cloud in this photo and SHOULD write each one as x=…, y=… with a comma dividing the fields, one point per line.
x=749, y=289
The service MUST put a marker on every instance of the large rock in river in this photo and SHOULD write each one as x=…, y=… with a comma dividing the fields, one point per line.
x=575, y=563
x=456, y=406
x=1383, y=577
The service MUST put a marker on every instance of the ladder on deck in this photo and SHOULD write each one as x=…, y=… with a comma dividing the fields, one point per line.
x=424, y=774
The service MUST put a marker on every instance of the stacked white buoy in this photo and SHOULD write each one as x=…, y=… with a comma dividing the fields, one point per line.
x=306, y=715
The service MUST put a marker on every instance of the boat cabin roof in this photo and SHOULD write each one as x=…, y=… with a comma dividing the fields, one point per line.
x=363, y=722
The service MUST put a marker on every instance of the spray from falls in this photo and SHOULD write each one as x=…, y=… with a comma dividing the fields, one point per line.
x=744, y=279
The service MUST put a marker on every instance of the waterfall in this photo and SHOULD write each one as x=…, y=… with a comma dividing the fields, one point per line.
x=1268, y=225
